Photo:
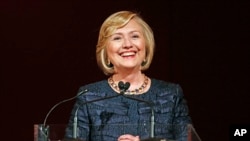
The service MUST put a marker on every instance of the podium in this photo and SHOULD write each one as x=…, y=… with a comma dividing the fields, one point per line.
x=56, y=132
x=52, y=132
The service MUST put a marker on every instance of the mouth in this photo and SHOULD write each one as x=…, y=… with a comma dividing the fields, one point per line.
x=128, y=54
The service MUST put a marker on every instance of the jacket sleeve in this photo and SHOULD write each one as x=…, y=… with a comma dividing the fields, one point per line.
x=181, y=116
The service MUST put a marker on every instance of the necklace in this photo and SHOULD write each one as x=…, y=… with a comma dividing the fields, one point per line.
x=130, y=92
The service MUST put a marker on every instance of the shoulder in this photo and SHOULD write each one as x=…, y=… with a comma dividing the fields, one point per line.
x=165, y=87
x=95, y=86
x=93, y=90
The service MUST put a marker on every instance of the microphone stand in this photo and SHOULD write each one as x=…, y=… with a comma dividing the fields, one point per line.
x=75, y=128
x=123, y=87
x=45, y=128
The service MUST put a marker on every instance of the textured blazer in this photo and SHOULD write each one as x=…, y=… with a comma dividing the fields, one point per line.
x=106, y=120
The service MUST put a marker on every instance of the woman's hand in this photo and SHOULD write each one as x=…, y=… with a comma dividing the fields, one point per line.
x=128, y=137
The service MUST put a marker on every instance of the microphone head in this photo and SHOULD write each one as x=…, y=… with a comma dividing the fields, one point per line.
x=126, y=86
x=121, y=85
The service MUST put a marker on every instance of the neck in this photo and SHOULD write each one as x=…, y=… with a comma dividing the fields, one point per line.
x=137, y=81
x=133, y=79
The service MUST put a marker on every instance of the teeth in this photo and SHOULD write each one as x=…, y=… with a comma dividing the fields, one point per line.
x=128, y=53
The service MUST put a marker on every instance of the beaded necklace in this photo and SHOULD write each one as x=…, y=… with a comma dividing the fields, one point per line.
x=129, y=92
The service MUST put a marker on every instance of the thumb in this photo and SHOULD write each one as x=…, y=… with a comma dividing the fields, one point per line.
x=137, y=138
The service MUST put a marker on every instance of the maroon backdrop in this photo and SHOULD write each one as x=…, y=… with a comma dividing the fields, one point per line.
x=48, y=52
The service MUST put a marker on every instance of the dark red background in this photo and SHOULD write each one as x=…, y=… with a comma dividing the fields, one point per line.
x=48, y=51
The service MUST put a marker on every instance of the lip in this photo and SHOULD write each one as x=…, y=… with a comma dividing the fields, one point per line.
x=128, y=53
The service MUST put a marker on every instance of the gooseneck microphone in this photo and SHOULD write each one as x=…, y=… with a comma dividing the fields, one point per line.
x=123, y=87
x=45, y=128
x=75, y=124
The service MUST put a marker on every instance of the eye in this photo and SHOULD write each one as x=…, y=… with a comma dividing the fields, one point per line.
x=116, y=38
x=135, y=36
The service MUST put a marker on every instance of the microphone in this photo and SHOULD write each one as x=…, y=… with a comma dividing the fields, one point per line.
x=45, y=128
x=75, y=128
x=123, y=87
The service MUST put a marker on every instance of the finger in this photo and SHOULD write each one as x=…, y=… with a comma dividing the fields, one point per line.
x=128, y=137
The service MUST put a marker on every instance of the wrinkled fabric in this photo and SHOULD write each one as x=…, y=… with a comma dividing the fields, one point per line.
x=106, y=120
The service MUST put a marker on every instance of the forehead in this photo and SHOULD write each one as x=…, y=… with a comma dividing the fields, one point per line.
x=131, y=26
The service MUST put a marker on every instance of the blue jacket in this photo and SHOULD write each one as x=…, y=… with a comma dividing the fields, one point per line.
x=106, y=120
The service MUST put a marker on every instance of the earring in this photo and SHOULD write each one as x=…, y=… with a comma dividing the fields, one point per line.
x=144, y=62
x=109, y=64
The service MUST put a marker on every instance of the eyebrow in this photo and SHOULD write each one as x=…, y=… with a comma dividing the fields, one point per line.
x=119, y=33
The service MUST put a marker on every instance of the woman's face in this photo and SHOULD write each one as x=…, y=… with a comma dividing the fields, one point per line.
x=126, y=47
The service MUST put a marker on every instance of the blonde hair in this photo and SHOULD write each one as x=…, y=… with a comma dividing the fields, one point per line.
x=109, y=26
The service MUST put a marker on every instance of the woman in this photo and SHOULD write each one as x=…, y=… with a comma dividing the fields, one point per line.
x=124, y=50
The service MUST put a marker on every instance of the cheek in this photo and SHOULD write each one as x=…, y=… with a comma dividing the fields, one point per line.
x=143, y=52
x=111, y=49
x=142, y=47
x=141, y=44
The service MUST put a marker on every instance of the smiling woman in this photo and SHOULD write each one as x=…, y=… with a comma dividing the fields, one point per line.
x=129, y=105
x=115, y=28
x=126, y=47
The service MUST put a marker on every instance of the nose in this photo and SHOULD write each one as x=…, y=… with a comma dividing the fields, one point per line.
x=127, y=43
